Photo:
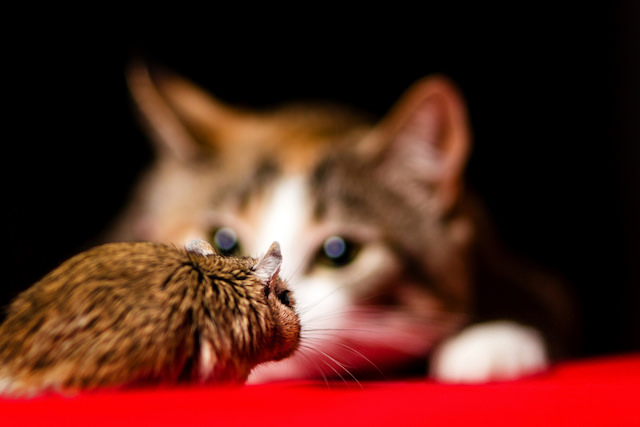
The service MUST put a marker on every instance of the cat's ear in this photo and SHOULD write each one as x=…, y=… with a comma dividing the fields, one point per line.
x=182, y=119
x=426, y=138
x=269, y=265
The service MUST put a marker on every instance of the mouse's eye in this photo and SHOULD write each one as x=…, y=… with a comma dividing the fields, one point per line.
x=285, y=298
x=337, y=251
x=225, y=241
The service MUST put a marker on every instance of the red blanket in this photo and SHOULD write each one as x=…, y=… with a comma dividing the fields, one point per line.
x=603, y=391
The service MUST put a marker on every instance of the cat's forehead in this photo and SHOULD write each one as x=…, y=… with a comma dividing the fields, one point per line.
x=294, y=139
x=298, y=180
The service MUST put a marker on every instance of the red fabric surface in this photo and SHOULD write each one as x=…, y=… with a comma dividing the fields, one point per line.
x=604, y=391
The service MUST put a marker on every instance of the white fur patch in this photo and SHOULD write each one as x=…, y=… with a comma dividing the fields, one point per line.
x=207, y=360
x=489, y=351
x=284, y=219
x=5, y=385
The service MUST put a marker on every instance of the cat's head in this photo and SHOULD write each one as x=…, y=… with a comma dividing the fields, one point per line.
x=369, y=215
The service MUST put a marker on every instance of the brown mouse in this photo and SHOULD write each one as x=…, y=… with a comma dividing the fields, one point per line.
x=130, y=313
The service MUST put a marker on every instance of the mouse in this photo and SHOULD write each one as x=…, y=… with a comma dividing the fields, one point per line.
x=136, y=313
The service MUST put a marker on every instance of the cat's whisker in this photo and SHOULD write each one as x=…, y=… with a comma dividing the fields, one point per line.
x=306, y=309
x=304, y=262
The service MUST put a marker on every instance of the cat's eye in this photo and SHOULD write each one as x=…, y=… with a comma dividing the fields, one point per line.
x=225, y=241
x=337, y=251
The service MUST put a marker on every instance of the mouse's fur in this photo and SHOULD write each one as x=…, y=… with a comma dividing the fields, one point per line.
x=127, y=313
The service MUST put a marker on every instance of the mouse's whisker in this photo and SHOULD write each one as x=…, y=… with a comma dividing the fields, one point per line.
x=349, y=348
x=324, y=361
x=311, y=360
x=333, y=363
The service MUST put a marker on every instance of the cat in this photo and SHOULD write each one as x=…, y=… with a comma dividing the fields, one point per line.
x=392, y=259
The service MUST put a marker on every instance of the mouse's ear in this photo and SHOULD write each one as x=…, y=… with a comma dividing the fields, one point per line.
x=200, y=247
x=269, y=265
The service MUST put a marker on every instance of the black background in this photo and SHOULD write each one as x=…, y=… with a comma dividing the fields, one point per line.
x=552, y=93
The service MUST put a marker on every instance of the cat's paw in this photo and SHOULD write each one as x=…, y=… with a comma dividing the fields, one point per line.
x=489, y=351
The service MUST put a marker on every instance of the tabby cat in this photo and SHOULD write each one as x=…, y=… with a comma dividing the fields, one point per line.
x=392, y=260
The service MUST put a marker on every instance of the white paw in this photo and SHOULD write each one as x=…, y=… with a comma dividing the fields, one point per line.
x=489, y=351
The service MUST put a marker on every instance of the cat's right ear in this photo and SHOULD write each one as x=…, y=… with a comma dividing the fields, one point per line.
x=425, y=140
x=181, y=118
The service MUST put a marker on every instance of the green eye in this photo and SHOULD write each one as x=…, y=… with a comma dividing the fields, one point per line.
x=337, y=251
x=225, y=241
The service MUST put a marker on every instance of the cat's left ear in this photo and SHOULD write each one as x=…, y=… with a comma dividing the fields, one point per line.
x=426, y=138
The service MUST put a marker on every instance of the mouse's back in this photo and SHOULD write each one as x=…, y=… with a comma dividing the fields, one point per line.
x=126, y=313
